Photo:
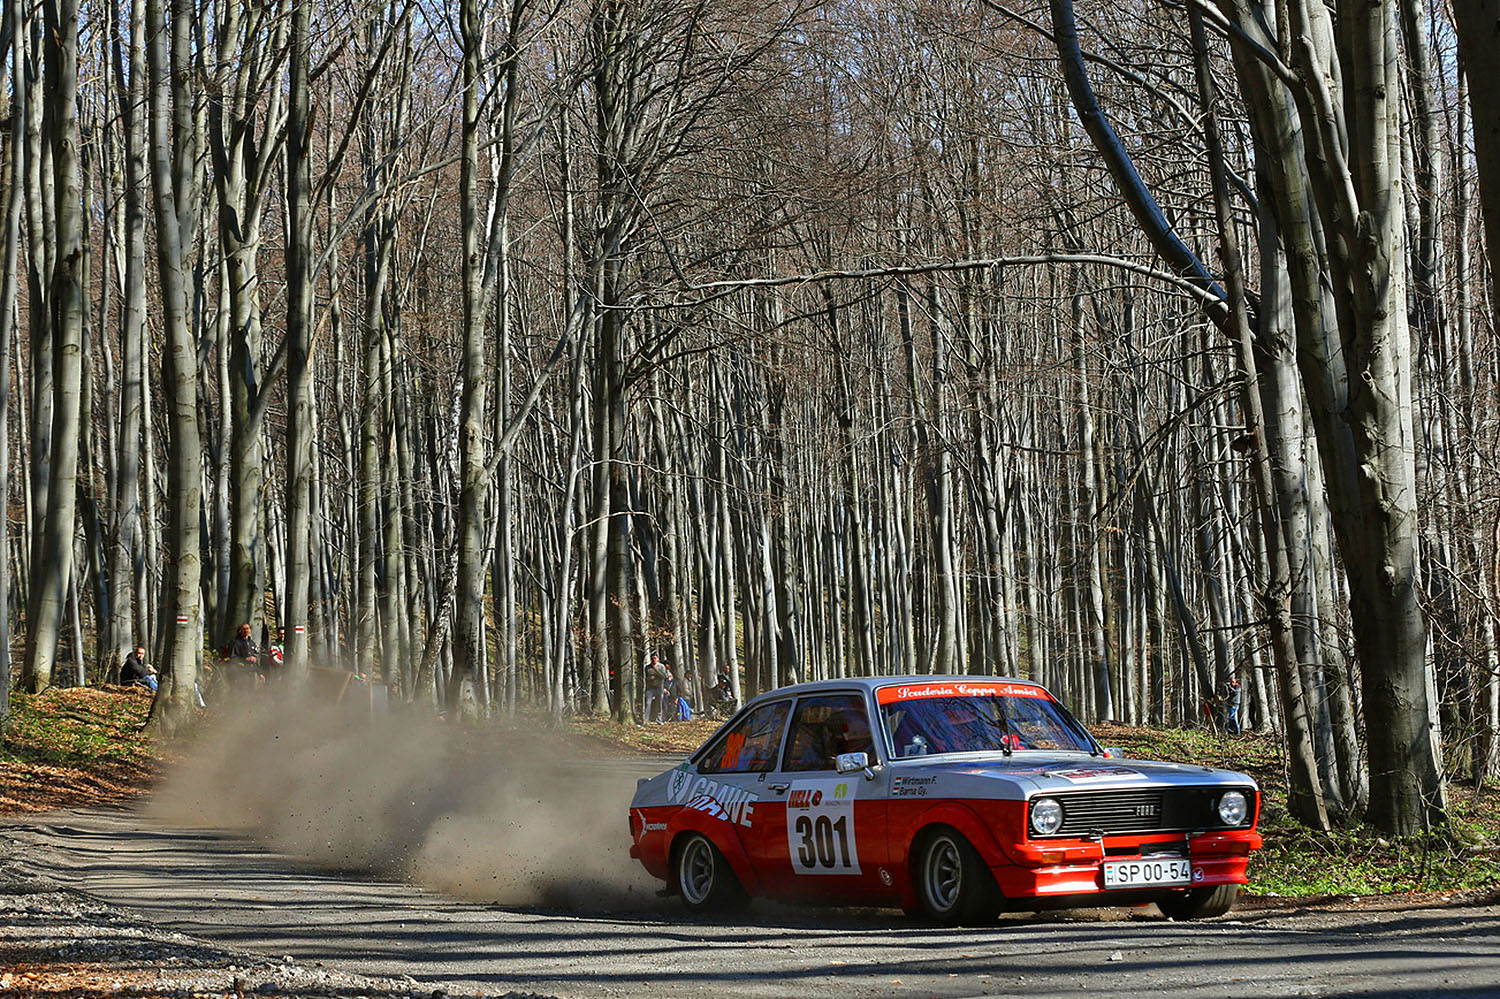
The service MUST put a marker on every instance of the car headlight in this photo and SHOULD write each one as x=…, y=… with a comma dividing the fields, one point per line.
x=1232, y=808
x=1046, y=816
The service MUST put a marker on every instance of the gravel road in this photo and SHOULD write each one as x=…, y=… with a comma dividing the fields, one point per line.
x=228, y=909
x=61, y=942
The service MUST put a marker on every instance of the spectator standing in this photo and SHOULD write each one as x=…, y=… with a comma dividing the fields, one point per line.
x=1232, y=706
x=658, y=675
x=135, y=670
x=243, y=647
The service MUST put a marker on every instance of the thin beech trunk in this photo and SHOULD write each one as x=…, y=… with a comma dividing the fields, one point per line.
x=299, y=341
x=53, y=553
x=473, y=477
x=15, y=171
x=1305, y=791
x=127, y=553
x=172, y=153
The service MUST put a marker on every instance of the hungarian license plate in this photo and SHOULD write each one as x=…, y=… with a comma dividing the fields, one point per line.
x=1147, y=873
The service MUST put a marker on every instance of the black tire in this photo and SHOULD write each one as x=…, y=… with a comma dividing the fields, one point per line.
x=953, y=885
x=704, y=878
x=1199, y=903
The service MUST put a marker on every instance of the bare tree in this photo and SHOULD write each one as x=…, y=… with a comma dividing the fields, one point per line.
x=172, y=152
x=15, y=28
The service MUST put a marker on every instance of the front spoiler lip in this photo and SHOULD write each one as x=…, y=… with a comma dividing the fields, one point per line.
x=1043, y=853
x=1083, y=881
x=1218, y=858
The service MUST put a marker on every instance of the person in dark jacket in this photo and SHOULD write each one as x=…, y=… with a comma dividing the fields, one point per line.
x=135, y=670
x=246, y=650
x=243, y=647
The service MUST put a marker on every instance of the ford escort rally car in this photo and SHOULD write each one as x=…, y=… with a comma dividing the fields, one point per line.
x=951, y=797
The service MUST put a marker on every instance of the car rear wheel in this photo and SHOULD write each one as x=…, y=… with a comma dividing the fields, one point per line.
x=953, y=885
x=1199, y=903
x=704, y=878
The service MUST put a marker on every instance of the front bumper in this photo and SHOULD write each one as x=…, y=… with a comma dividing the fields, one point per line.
x=1075, y=867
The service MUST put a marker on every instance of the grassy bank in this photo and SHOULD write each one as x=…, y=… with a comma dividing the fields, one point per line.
x=1352, y=861
x=73, y=747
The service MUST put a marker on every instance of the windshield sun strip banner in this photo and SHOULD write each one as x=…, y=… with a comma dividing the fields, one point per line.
x=917, y=691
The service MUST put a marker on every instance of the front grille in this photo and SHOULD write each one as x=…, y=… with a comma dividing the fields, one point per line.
x=1111, y=812
x=1144, y=810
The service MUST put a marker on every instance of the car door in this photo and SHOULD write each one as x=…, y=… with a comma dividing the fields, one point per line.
x=732, y=782
x=832, y=841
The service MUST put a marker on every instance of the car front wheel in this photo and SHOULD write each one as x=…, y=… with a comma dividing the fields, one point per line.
x=704, y=878
x=1199, y=903
x=953, y=885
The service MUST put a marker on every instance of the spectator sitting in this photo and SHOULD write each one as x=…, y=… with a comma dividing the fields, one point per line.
x=678, y=707
x=135, y=670
x=245, y=650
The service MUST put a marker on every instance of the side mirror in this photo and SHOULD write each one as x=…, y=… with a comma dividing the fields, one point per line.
x=848, y=763
x=853, y=763
x=1113, y=753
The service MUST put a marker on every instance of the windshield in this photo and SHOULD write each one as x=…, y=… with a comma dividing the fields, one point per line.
x=922, y=719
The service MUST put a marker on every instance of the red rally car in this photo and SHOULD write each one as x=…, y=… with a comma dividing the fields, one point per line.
x=951, y=797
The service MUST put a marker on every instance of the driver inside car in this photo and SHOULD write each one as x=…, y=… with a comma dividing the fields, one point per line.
x=812, y=745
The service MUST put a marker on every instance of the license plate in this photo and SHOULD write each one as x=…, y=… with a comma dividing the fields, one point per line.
x=1147, y=873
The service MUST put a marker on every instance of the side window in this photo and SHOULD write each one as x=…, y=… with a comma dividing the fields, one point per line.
x=825, y=727
x=751, y=746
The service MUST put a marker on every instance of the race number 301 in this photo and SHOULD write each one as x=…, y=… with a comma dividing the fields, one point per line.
x=820, y=827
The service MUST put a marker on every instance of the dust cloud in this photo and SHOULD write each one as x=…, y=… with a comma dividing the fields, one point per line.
x=508, y=817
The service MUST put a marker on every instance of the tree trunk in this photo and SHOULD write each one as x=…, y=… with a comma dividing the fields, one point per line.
x=173, y=154
x=1304, y=792
x=53, y=554
x=1477, y=22
x=126, y=552
x=299, y=342
x=15, y=172
x=473, y=477
x=1088, y=509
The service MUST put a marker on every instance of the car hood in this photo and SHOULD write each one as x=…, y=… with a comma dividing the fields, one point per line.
x=1023, y=775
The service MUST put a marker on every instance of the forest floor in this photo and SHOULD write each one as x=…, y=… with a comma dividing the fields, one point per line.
x=79, y=748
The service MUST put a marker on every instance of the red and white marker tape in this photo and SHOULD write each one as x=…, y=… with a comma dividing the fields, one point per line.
x=182, y=621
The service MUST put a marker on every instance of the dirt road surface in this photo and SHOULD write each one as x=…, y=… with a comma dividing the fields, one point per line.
x=223, y=889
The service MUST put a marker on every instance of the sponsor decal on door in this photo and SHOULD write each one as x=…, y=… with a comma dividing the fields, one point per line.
x=722, y=801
